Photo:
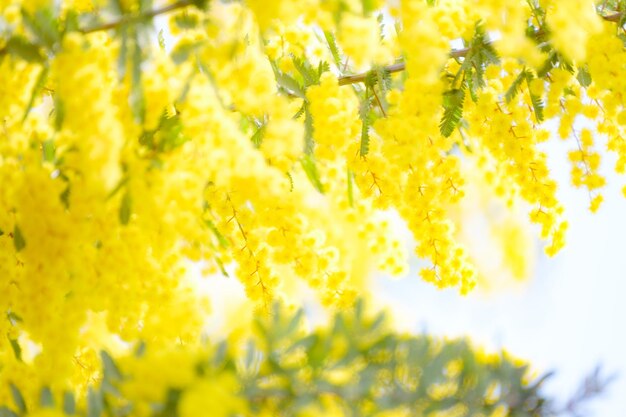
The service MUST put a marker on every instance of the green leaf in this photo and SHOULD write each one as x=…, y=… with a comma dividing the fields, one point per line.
x=295, y=321
x=583, y=76
x=481, y=53
x=200, y=4
x=59, y=112
x=43, y=24
x=125, y=208
x=308, y=164
x=310, y=75
x=94, y=403
x=69, y=403
x=18, y=239
x=20, y=47
x=288, y=83
x=453, y=111
x=39, y=84
x=145, y=5
x=137, y=98
x=383, y=78
x=565, y=64
x=300, y=112
x=365, y=124
x=13, y=317
x=141, y=349
x=257, y=136
x=122, y=59
x=220, y=237
x=322, y=67
x=368, y=6
x=111, y=374
x=184, y=50
x=186, y=21
x=7, y=412
x=309, y=143
x=171, y=403
x=220, y=265
x=71, y=23
x=169, y=134
x=551, y=62
x=122, y=182
x=17, y=349
x=307, y=342
x=515, y=86
x=220, y=352
x=250, y=354
x=45, y=397
x=537, y=107
x=334, y=49
x=110, y=370
x=48, y=150
x=65, y=197
x=471, y=85
x=18, y=399
x=161, y=40
x=364, y=115
x=567, y=91
x=489, y=55
x=536, y=101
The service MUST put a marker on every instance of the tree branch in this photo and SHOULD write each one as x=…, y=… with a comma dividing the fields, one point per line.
x=359, y=78
x=615, y=17
x=138, y=17
x=455, y=53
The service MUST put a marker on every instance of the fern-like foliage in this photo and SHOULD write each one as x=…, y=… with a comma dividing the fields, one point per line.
x=357, y=362
x=515, y=86
x=453, y=110
x=535, y=100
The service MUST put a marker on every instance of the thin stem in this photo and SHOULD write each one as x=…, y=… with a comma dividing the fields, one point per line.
x=137, y=17
x=380, y=105
x=359, y=78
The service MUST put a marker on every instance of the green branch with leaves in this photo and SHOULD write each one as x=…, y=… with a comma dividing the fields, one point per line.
x=355, y=362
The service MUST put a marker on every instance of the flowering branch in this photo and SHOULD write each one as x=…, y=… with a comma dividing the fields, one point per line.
x=455, y=53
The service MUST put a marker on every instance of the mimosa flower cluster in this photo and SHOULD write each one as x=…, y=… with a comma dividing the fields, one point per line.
x=274, y=142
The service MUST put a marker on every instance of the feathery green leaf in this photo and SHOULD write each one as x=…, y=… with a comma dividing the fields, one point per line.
x=453, y=110
x=39, y=85
x=583, y=76
x=515, y=86
x=536, y=101
x=310, y=168
x=18, y=239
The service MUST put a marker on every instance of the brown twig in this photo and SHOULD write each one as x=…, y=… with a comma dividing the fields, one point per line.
x=359, y=78
x=615, y=17
x=380, y=105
